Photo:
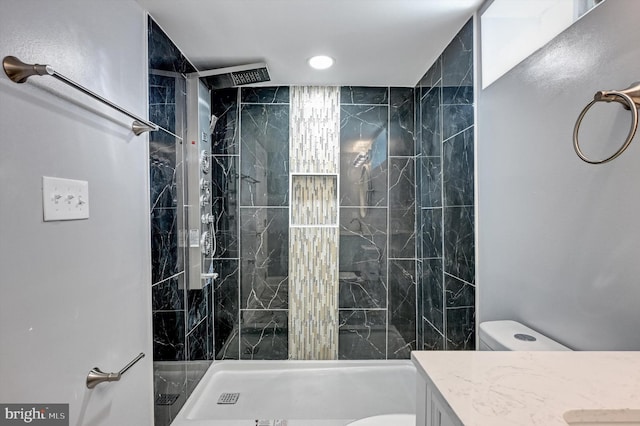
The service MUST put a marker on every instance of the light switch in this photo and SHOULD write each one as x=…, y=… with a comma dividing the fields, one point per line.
x=64, y=199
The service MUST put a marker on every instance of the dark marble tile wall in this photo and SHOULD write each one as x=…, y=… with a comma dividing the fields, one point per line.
x=226, y=309
x=377, y=296
x=264, y=223
x=400, y=149
x=163, y=53
x=402, y=267
x=252, y=222
x=166, y=170
x=166, y=87
x=363, y=137
x=377, y=229
x=264, y=149
x=445, y=155
x=362, y=334
x=362, y=260
x=402, y=308
x=225, y=183
x=181, y=324
x=167, y=108
x=264, y=258
x=264, y=334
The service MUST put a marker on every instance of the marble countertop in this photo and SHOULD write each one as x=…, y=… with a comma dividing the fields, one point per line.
x=530, y=388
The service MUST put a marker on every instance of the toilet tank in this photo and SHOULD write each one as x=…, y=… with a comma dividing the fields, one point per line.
x=513, y=336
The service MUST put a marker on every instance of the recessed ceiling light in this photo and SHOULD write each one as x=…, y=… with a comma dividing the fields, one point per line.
x=321, y=62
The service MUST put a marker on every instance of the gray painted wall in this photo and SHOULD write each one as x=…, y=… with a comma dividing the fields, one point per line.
x=74, y=295
x=559, y=239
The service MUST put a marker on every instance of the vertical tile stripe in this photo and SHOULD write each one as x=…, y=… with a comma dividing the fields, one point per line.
x=314, y=147
x=314, y=129
x=313, y=293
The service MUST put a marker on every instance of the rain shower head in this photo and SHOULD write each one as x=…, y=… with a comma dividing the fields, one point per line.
x=240, y=75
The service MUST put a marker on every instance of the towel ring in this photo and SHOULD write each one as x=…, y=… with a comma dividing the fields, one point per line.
x=630, y=99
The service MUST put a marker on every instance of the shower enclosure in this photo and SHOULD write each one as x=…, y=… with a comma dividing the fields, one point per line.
x=342, y=216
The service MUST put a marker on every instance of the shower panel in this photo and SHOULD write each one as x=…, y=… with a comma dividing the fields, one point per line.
x=201, y=234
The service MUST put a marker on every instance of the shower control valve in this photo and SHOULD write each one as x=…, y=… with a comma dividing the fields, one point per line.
x=206, y=243
x=205, y=199
x=205, y=162
x=204, y=184
x=207, y=218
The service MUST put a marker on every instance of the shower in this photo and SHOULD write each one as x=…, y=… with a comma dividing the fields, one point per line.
x=306, y=226
x=240, y=75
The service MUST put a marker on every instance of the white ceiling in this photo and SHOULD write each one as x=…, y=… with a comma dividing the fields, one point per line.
x=374, y=42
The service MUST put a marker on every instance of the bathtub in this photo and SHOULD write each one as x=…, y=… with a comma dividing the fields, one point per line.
x=303, y=393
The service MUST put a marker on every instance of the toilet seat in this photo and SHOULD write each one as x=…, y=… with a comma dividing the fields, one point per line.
x=387, y=420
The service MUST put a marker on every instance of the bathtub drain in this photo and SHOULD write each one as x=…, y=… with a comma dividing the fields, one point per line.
x=167, y=398
x=228, y=398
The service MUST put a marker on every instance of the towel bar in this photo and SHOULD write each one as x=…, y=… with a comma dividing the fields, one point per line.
x=19, y=72
x=97, y=376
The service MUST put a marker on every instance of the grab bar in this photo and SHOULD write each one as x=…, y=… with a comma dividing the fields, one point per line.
x=97, y=376
x=630, y=99
x=19, y=72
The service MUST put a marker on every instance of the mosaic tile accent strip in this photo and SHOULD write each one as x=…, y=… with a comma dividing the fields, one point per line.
x=314, y=200
x=315, y=129
x=314, y=147
x=313, y=293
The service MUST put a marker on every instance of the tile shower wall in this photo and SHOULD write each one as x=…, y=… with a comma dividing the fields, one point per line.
x=399, y=170
x=181, y=324
x=446, y=259
x=377, y=265
x=166, y=108
x=250, y=196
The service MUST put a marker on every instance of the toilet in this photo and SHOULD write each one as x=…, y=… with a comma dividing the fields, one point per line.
x=513, y=336
x=494, y=336
x=387, y=420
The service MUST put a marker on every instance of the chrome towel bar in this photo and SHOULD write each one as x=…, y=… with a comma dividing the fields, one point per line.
x=630, y=99
x=97, y=376
x=19, y=72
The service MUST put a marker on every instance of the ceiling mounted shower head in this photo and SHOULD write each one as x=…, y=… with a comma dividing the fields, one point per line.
x=240, y=75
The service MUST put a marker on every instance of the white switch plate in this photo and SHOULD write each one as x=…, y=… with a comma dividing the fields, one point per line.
x=65, y=199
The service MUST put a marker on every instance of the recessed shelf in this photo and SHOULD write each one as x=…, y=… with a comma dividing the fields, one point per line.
x=314, y=200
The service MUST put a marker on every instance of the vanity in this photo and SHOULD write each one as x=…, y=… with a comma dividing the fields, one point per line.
x=488, y=388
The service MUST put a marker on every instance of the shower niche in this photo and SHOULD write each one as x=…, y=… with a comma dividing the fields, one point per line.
x=314, y=200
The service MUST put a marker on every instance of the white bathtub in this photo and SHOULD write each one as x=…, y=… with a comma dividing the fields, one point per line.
x=304, y=393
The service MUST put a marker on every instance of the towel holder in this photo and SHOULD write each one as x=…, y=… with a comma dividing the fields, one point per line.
x=97, y=376
x=19, y=72
x=630, y=100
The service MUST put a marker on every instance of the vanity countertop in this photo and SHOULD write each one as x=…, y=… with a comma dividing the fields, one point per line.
x=530, y=388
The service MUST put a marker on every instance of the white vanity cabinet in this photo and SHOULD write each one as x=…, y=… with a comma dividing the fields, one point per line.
x=506, y=388
x=431, y=407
